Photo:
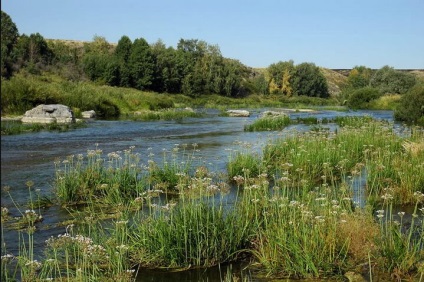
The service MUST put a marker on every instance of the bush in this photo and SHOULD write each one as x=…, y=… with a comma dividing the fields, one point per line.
x=411, y=106
x=390, y=81
x=360, y=98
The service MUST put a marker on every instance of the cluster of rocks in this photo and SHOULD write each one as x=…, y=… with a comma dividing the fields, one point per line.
x=53, y=113
x=244, y=113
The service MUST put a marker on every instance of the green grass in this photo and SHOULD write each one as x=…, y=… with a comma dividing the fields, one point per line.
x=268, y=123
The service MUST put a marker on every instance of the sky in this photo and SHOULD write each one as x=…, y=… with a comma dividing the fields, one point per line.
x=335, y=34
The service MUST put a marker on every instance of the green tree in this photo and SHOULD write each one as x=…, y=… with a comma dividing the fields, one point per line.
x=94, y=65
x=141, y=64
x=123, y=49
x=280, y=77
x=411, y=106
x=308, y=80
x=9, y=37
x=33, y=52
x=390, y=81
x=260, y=84
x=118, y=72
x=360, y=98
x=359, y=77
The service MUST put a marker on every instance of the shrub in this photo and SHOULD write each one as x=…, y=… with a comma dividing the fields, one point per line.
x=360, y=98
x=411, y=106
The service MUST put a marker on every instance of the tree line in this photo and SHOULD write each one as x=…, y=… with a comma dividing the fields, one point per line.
x=194, y=67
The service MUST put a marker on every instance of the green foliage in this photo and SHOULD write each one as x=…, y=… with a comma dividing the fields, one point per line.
x=309, y=81
x=141, y=64
x=360, y=98
x=268, y=123
x=33, y=53
x=281, y=75
x=411, y=106
x=9, y=36
x=390, y=81
x=359, y=77
x=94, y=65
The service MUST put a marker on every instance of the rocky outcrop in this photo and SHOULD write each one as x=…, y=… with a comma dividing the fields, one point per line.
x=272, y=114
x=54, y=113
x=238, y=113
x=88, y=114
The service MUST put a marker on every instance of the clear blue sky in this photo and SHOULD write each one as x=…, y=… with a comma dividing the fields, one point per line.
x=329, y=33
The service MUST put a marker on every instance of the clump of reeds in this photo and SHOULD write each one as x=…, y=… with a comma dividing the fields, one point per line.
x=165, y=114
x=268, y=123
x=94, y=177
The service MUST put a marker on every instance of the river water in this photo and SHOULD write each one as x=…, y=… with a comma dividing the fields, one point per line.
x=31, y=157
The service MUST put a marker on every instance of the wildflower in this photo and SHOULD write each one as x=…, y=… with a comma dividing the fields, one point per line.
x=50, y=260
x=122, y=222
x=4, y=210
x=7, y=258
x=319, y=218
x=34, y=264
x=401, y=214
x=238, y=179
x=122, y=247
x=284, y=179
x=419, y=196
x=387, y=196
x=293, y=203
x=321, y=199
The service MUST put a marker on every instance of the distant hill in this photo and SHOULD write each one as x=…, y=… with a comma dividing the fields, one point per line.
x=335, y=81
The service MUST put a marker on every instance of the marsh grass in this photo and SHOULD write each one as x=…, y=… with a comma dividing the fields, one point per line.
x=268, y=123
x=401, y=246
x=166, y=114
x=95, y=177
x=191, y=234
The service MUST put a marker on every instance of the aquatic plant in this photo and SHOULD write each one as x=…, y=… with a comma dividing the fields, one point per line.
x=268, y=123
x=95, y=177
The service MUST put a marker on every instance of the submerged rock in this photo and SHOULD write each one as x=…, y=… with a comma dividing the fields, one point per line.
x=273, y=114
x=88, y=114
x=54, y=113
x=238, y=113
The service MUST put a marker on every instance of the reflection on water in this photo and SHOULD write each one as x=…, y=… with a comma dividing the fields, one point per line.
x=31, y=157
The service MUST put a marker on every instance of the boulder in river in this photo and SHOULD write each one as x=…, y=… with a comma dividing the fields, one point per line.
x=238, y=113
x=89, y=114
x=49, y=114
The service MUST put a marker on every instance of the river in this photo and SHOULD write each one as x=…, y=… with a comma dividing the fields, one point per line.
x=31, y=156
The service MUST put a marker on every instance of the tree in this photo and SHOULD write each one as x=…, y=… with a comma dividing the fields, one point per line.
x=280, y=76
x=411, y=106
x=360, y=98
x=308, y=80
x=9, y=37
x=33, y=52
x=359, y=77
x=94, y=65
x=390, y=81
x=141, y=64
x=123, y=49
